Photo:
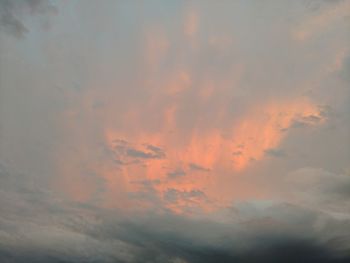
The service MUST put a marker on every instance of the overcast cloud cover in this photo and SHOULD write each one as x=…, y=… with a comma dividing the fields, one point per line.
x=174, y=131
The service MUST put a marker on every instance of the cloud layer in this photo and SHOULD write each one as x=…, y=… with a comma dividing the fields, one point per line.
x=174, y=132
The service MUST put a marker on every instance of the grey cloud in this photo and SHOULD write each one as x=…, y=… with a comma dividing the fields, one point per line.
x=176, y=173
x=166, y=238
x=147, y=193
x=316, y=5
x=144, y=155
x=345, y=70
x=306, y=121
x=237, y=153
x=50, y=229
x=12, y=25
x=324, y=112
x=38, y=226
x=321, y=189
x=147, y=183
x=156, y=150
x=11, y=12
x=173, y=195
x=197, y=167
x=275, y=153
x=123, y=149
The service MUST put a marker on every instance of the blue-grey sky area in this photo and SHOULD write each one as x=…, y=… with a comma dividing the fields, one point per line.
x=174, y=131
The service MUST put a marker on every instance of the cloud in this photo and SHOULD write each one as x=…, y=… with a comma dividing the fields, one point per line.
x=307, y=121
x=173, y=195
x=11, y=13
x=277, y=232
x=196, y=167
x=124, y=150
x=176, y=173
x=265, y=128
x=275, y=152
x=140, y=154
x=345, y=69
x=150, y=158
x=252, y=231
x=237, y=153
x=319, y=188
x=322, y=20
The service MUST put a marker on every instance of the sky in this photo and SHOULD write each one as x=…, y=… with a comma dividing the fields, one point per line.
x=174, y=131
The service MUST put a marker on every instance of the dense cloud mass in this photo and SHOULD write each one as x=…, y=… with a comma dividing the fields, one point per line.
x=174, y=132
x=37, y=227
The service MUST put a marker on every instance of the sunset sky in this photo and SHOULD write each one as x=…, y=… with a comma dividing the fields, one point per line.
x=174, y=131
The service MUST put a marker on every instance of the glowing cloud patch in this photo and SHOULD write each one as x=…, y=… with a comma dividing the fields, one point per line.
x=186, y=164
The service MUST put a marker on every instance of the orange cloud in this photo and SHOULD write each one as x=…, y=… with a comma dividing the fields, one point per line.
x=202, y=155
x=159, y=149
x=266, y=127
